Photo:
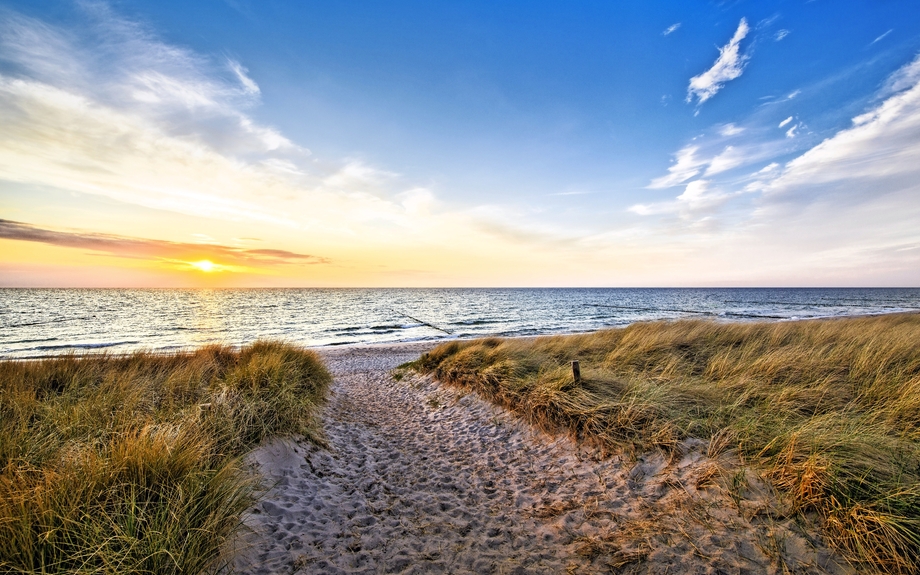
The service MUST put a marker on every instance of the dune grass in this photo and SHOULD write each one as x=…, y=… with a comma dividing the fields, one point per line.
x=828, y=411
x=132, y=464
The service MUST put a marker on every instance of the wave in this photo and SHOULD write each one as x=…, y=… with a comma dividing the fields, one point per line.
x=58, y=320
x=482, y=321
x=96, y=345
x=21, y=341
x=67, y=321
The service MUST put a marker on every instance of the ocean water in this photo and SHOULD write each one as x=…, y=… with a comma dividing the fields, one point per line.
x=43, y=322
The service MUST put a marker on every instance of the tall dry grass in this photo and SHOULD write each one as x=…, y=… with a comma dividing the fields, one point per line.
x=828, y=410
x=132, y=464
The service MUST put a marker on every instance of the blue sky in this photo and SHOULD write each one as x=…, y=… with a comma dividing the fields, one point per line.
x=460, y=143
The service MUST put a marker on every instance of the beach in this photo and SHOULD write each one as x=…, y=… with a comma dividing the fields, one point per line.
x=417, y=477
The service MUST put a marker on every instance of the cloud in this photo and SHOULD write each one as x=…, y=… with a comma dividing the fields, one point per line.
x=707, y=159
x=731, y=157
x=849, y=206
x=790, y=133
x=671, y=29
x=883, y=144
x=105, y=108
x=696, y=192
x=881, y=37
x=728, y=66
x=903, y=78
x=248, y=84
x=686, y=165
x=730, y=130
x=842, y=212
x=243, y=7
x=780, y=35
x=141, y=248
x=771, y=100
x=784, y=122
x=694, y=203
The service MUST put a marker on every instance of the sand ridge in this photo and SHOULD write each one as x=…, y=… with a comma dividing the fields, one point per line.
x=421, y=478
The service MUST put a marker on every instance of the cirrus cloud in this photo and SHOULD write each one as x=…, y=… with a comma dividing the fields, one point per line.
x=728, y=66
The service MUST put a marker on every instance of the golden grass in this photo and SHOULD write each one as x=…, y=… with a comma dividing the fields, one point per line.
x=828, y=410
x=132, y=464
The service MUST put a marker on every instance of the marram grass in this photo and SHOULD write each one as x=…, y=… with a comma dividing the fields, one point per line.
x=132, y=464
x=828, y=410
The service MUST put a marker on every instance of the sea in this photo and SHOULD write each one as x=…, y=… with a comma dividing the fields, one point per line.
x=37, y=323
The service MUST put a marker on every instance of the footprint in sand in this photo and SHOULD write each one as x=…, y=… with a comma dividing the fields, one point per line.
x=419, y=478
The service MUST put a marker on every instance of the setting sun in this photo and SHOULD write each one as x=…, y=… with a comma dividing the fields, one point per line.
x=205, y=265
x=280, y=249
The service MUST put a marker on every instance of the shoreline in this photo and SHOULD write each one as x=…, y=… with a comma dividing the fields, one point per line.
x=437, y=341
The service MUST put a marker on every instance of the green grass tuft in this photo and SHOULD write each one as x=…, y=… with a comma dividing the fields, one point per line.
x=132, y=464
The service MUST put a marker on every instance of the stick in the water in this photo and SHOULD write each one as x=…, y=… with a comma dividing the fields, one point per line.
x=432, y=326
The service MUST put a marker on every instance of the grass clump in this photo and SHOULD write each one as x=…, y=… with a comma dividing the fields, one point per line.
x=132, y=464
x=828, y=410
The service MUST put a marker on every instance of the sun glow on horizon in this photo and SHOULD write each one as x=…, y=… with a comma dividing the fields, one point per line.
x=206, y=266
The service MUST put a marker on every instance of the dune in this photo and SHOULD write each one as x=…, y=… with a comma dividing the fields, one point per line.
x=418, y=477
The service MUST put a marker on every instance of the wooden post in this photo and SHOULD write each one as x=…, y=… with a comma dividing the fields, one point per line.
x=576, y=371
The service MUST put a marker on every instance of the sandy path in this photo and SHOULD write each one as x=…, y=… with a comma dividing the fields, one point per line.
x=418, y=478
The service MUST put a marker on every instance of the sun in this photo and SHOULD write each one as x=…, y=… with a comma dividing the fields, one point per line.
x=205, y=265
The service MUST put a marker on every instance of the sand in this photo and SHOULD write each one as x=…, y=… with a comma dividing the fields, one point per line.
x=421, y=478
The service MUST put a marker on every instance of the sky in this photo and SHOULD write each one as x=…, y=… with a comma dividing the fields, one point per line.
x=243, y=143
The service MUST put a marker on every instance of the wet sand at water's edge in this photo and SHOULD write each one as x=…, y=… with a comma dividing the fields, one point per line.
x=421, y=478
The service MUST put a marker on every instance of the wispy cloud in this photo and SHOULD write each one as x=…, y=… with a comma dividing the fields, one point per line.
x=904, y=78
x=686, y=165
x=730, y=130
x=772, y=100
x=731, y=157
x=780, y=35
x=108, y=109
x=849, y=206
x=142, y=248
x=671, y=29
x=243, y=7
x=883, y=145
x=879, y=152
x=880, y=38
x=728, y=66
x=695, y=203
x=708, y=157
x=248, y=83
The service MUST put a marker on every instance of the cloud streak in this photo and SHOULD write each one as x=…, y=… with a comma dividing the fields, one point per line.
x=142, y=248
x=882, y=37
x=687, y=164
x=728, y=66
x=671, y=29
